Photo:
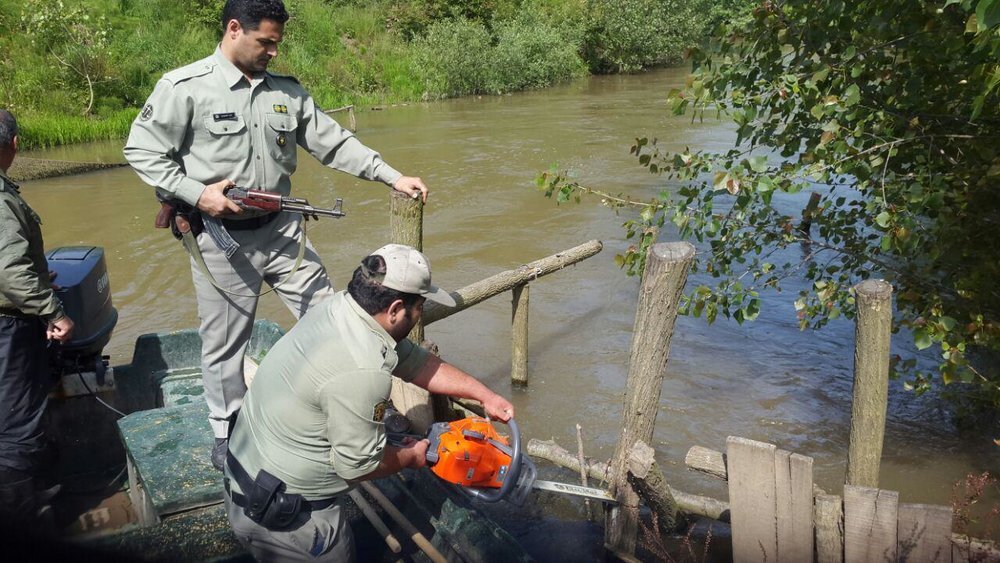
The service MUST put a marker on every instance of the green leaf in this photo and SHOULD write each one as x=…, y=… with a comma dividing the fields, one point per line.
x=883, y=219
x=922, y=339
x=988, y=14
x=758, y=163
x=852, y=95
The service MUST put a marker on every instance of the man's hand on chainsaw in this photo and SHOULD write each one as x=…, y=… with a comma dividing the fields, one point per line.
x=499, y=408
x=414, y=452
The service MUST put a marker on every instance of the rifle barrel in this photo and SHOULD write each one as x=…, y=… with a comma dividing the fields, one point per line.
x=310, y=210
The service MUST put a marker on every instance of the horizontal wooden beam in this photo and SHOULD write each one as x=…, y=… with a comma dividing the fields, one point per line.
x=505, y=281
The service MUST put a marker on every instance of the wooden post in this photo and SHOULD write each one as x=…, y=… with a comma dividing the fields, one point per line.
x=871, y=382
x=663, y=281
x=647, y=479
x=829, y=529
x=808, y=213
x=519, y=335
x=406, y=226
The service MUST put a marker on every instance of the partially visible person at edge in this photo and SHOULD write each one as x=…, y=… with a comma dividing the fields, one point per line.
x=30, y=314
x=223, y=121
x=311, y=425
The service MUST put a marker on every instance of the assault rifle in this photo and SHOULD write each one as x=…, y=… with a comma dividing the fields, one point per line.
x=255, y=200
x=267, y=201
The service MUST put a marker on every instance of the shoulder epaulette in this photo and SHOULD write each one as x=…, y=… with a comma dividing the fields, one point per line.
x=195, y=69
x=288, y=76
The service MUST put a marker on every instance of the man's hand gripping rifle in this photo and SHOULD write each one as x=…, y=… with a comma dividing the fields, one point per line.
x=247, y=199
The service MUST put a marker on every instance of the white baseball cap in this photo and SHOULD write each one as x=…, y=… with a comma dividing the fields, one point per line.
x=409, y=271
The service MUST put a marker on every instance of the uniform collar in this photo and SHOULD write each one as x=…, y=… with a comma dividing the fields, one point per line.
x=9, y=182
x=367, y=318
x=230, y=73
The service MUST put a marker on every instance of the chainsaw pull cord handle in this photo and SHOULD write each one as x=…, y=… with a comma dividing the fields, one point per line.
x=513, y=472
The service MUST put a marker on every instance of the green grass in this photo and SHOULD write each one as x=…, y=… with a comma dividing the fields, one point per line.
x=47, y=130
x=346, y=52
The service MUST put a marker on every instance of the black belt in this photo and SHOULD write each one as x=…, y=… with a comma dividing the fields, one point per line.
x=14, y=313
x=307, y=505
x=248, y=224
x=246, y=483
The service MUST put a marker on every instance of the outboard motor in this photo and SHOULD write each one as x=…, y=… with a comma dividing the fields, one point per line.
x=82, y=277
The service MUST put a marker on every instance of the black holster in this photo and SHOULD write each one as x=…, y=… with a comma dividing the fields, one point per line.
x=268, y=504
x=191, y=215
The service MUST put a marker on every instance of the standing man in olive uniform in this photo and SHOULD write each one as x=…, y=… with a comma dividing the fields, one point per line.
x=311, y=426
x=29, y=313
x=223, y=121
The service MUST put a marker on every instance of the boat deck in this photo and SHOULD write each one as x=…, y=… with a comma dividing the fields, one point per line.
x=176, y=494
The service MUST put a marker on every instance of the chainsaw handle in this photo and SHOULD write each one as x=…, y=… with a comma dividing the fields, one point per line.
x=513, y=472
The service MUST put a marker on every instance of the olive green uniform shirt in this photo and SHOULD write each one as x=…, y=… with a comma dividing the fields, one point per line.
x=313, y=415
x=206, y=122
x=24, y=272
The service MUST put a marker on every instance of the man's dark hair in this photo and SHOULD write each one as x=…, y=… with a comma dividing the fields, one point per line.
x=366, y=287
x=250, y=12
x=8, y=128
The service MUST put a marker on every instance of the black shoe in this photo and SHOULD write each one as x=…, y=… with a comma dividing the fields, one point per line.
x=219, y=453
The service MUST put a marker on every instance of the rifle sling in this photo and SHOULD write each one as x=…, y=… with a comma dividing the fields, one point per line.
x=191, y=244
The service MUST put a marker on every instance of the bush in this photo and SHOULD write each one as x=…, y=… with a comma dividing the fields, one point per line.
x=454, y=58
x=532, y=54
x=630, y=35
x=460, y=56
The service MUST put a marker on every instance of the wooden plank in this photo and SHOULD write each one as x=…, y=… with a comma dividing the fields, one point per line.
x=709, y=462
x=793, y=506
x=829, y=511
x=924, y=533
x=869, y=524
x=972, y=550
x=751, y=500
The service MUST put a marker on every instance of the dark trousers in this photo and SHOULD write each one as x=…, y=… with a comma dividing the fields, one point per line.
x=25, y=381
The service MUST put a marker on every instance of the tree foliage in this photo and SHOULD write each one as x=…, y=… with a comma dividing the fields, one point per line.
x=887, y=110
x=75, y=40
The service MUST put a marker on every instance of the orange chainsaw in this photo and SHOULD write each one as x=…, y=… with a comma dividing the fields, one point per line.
x=483, y=464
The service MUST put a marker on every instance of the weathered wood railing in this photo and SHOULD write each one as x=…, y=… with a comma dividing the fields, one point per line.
x=406, y=227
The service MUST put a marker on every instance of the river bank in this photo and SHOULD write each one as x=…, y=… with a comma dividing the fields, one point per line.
x=78, y=71
x=25, y=168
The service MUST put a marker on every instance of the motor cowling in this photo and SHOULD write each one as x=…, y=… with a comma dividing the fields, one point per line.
x=85, y=291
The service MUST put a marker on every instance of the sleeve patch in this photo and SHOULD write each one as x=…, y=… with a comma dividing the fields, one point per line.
x=378, y=413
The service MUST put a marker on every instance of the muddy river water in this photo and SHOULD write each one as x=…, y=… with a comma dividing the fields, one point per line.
x=766, y=380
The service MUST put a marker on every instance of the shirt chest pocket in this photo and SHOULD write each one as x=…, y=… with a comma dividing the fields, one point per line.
x=226, y=139
x=282, y=137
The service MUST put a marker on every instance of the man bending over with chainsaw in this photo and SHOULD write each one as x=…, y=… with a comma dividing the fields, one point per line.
x=311, y=424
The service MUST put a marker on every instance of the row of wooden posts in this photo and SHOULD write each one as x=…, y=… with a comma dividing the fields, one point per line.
x=663, y=281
